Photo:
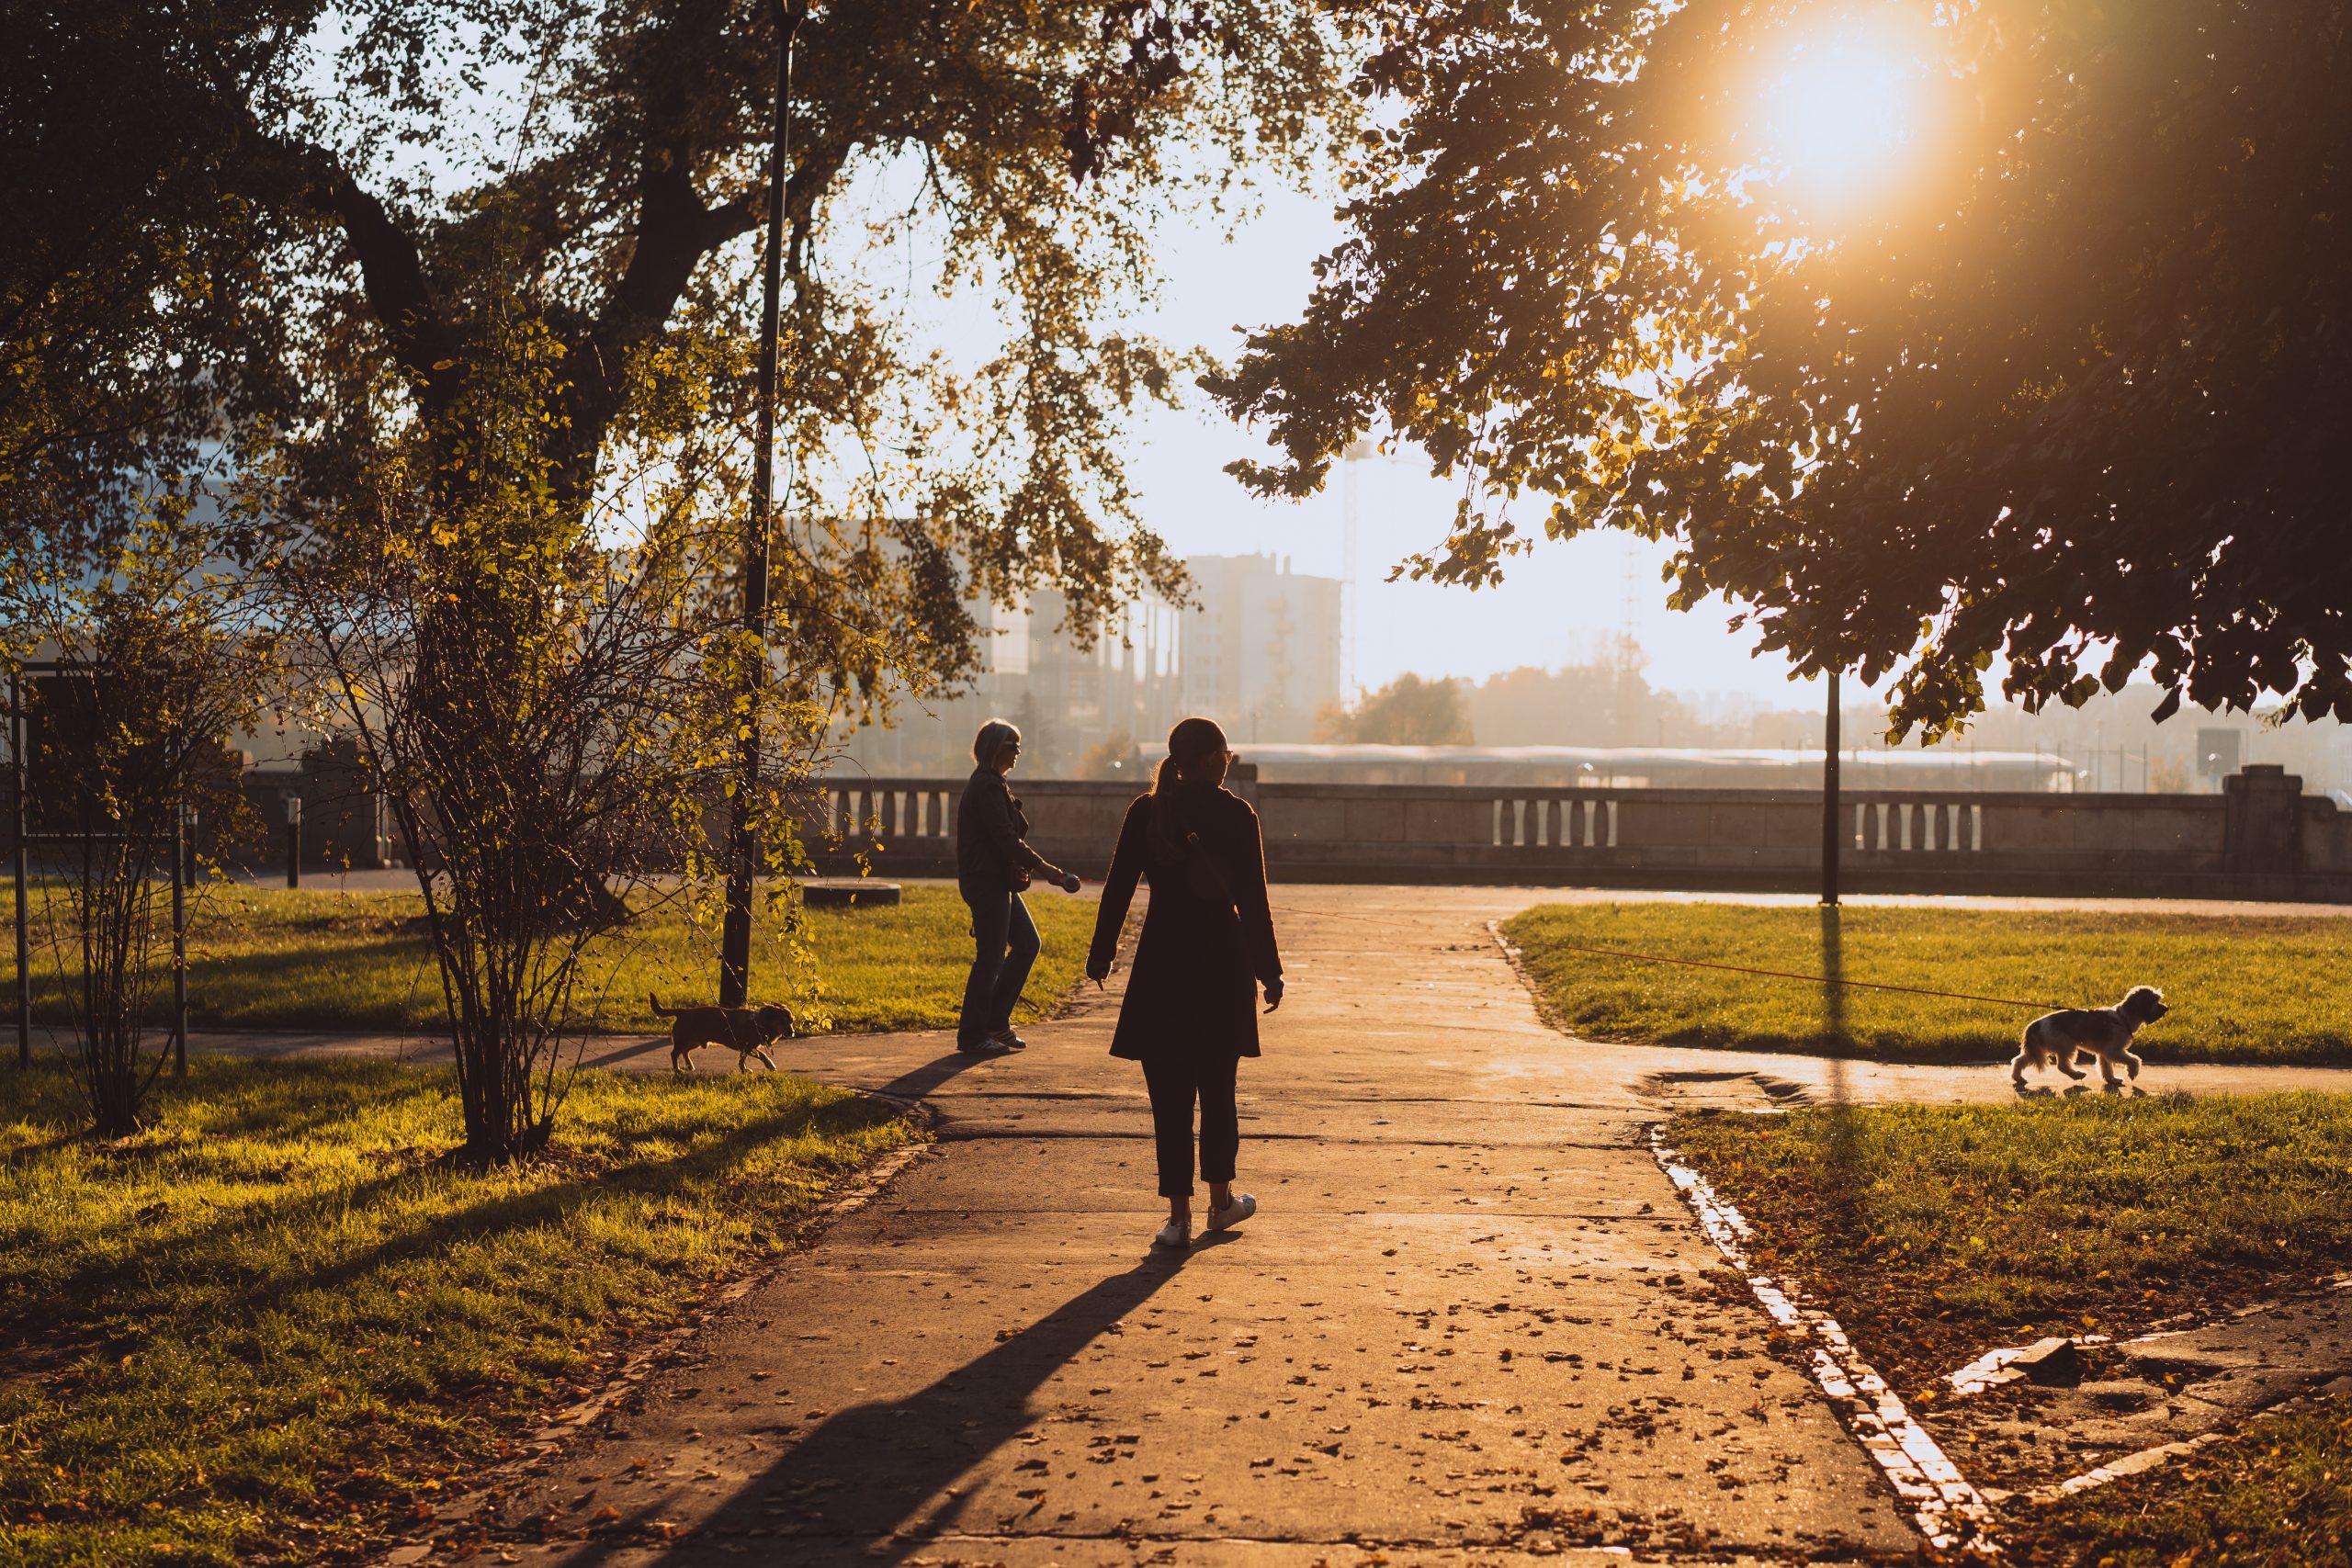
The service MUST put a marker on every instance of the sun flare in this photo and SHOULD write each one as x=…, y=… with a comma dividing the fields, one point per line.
x=1838, y=114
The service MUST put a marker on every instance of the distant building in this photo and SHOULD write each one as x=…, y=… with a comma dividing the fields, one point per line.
x=1070, y=702
x=1261, y=649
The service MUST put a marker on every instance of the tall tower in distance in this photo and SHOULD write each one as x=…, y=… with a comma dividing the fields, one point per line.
x=1350, y=529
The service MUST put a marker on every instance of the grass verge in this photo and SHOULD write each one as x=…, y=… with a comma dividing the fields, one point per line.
x=2243, y=988
x=263, y=1329
x=2277, y=1494
x=273, y=958
x=1938, y=1231
x=1935, y=1233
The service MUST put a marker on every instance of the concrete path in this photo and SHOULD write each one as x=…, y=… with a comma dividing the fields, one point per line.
x=1366, y=930
x=1471, y=1322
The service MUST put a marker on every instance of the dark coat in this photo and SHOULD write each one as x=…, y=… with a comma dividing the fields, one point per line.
x=992, y=830
x=1192, y=992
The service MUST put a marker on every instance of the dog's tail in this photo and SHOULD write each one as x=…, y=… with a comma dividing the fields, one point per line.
x=660, y=1011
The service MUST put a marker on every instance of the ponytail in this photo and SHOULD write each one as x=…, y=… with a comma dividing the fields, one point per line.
x=1191, y=743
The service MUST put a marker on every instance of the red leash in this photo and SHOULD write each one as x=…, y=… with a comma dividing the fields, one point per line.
x=1811, y=979
x=1702, y=963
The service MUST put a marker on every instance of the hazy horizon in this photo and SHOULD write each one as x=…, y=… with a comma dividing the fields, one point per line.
x=1553, y=604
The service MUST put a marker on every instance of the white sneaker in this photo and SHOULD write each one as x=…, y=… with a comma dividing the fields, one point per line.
x=1173, y=1236
x=1233, y=1213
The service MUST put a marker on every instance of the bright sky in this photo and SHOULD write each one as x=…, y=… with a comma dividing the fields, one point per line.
x=1554, y=606
x=1557, y=606
x=1835, y=120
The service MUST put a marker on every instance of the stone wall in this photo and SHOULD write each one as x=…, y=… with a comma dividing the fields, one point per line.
x=2262, y=838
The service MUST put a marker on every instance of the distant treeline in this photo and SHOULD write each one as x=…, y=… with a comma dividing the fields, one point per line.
x=2110, y=740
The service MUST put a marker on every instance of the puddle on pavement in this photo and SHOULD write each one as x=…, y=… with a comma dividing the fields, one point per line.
x=1718, y=1089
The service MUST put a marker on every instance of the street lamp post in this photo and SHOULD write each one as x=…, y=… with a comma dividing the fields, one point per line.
x=17, y=844
x=1829, y=741
x=735, y=934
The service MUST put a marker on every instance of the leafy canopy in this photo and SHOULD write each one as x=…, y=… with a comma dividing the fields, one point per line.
x=495, y=264
x=2065, y=392
x=604, y=164
x=127, y=316
x=526, y=232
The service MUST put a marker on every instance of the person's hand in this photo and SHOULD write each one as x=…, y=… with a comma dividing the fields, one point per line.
x=1020, y=880
x=1273, y=995
x=1070, y=884
x=1098, y=976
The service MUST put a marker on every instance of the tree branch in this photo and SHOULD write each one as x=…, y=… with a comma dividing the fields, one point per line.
x=391, y=264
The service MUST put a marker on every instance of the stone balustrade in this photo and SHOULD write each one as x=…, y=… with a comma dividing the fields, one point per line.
x=2262, y=838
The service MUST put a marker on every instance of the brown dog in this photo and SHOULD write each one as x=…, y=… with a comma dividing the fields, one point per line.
x=747, y=1032
x=2104, y=1032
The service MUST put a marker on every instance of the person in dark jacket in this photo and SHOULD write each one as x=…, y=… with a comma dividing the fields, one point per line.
x=993, y=863
x=1189, y=1013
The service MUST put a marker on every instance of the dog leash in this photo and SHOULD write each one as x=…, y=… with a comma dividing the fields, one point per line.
x=1811, y=979
x=1702, y=963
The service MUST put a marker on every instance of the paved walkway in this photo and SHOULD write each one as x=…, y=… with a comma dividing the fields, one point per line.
x=1364, y=936
x=1470, y=1323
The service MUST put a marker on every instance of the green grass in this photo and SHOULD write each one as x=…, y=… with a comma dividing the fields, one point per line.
x=2277, y=1494
x=268, y=1326
x=269, y=958
x=1938, y=1231
x=2243, y=988
x=1935, y=1233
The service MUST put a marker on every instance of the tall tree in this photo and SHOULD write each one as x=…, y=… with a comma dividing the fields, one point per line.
x=1603, y=702
x=604, y=161
x=2064, y=393
x=123, y=266
x=509, y=244
x=1408, y=711
x=127, y=335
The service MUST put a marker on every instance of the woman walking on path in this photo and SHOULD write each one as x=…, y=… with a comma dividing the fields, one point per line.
x=1189, y=1013
x=993, y=863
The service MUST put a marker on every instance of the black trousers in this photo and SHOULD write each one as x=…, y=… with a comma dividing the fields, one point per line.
x=1175, y=1084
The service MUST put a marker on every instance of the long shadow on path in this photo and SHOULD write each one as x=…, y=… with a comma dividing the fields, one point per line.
x=918, y=1082
x=868, y=1483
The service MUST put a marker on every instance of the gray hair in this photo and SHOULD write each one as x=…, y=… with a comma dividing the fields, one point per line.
x=994, y=735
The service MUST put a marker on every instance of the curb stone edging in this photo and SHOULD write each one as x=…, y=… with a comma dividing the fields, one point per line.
x=1948, y=1511
x=1515, y=959
x=577, y=1421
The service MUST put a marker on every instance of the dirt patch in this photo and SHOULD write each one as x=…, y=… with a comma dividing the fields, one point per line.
x=2158, y=1391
